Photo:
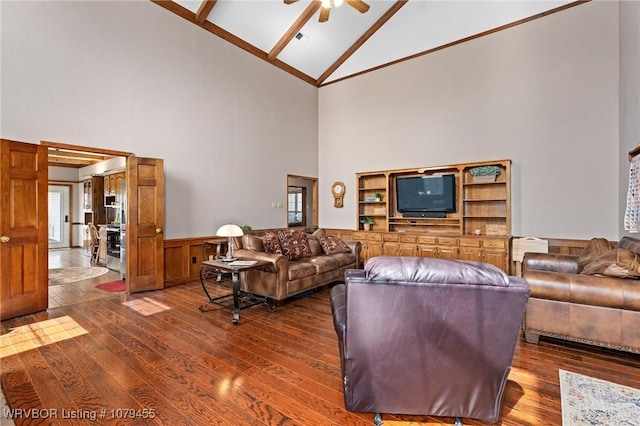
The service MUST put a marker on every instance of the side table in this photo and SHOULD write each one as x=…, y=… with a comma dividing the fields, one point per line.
x=241, y=299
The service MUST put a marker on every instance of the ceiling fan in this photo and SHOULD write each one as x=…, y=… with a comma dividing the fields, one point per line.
x=359, y=5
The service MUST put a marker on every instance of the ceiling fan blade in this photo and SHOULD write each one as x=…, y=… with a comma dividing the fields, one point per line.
x=359, y=5
x=324, y=14
x=290, y=1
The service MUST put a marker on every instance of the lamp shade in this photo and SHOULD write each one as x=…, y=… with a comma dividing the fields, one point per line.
x=229, y=230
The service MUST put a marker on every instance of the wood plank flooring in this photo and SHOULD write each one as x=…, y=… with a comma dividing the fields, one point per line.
x=79, y=291
x=186, y=367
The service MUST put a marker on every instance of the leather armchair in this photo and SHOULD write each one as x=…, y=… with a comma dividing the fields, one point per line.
x=422, y=336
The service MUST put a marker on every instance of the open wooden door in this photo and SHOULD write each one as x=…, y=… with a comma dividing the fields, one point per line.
x=145, y=222
x=24, y=260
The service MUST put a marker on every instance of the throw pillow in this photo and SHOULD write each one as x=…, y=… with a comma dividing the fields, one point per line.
x=616, y=263
x=294, y=243
x=271, y=243
x=331, y=244
x=595, y=247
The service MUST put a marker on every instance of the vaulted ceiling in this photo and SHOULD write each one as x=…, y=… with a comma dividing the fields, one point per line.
x=289, y=34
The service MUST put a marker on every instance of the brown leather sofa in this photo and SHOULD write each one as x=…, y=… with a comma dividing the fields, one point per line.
x=593, y=309
x=285, y=278
x=424, y=336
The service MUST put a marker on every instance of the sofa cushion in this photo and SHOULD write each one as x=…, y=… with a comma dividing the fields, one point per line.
x=331, y=244
x=314, y=245
x=294, y=243
x=271, y=243
x=617, y=263
x=430, y=270
x=299, y=270
x=252, y=242
x=595, y=248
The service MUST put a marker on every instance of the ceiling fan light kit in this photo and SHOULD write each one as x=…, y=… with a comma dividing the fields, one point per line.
x=327, y=5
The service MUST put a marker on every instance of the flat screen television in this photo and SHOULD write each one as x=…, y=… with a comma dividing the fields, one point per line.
x=426, y=196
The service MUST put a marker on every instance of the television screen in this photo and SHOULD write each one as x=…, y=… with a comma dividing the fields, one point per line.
x=426, y=194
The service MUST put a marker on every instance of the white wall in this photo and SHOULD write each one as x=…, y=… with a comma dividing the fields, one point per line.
x=544, y=94
x=134, y=77
x=629, y=92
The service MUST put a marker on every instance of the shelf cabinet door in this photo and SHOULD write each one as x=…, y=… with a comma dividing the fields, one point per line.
x=391, y=249
x=427, y=251
x=407, y=249
x=496, y=257
x=472, y=254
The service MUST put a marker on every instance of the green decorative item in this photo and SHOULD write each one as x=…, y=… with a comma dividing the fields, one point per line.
x=484, y=174
x=485, y=171
x=366, y=222
x=246, y=228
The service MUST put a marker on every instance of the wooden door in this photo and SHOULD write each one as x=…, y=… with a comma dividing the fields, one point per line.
x=145, y=223
x=24, y=285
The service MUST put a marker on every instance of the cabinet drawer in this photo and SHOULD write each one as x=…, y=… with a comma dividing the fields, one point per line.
x=359, y=236
x=426, y=240
x=494, y=243
x=445, y=241
x=408, y=238
x=469, y=242
x=374, y=237
x=391, y=237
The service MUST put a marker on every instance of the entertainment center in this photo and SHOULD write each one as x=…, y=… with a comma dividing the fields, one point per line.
x=442, y=211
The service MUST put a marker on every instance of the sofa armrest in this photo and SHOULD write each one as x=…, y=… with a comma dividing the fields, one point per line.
x=356, y=247
x=278, y=262
x=550, y=262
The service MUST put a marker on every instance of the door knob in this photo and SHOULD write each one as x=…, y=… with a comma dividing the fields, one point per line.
x=4, y=239
x=158, y=230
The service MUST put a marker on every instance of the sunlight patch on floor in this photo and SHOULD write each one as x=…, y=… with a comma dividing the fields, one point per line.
x=32, y=336
x=146, y=306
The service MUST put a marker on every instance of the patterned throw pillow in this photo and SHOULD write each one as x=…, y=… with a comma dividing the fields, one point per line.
x=331, y=244
x=294, y=243
x=271, y=243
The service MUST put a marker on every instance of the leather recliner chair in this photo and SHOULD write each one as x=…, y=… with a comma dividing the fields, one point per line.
x=422, y=336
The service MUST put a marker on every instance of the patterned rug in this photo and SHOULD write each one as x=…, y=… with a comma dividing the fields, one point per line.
x=589, y=401
x=70, y=275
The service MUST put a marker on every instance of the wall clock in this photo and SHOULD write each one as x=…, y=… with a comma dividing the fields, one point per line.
x=337, y=189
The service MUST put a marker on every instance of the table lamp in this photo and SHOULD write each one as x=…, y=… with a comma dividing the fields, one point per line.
x=229, y=231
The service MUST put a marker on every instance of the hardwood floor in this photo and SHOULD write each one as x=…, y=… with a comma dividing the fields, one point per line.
x=79, y=291
x=193, y=368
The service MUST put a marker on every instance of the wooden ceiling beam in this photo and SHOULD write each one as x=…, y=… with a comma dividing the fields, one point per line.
x=204, y=10
x=366, y=36
x=295, y=29
x=231, y=38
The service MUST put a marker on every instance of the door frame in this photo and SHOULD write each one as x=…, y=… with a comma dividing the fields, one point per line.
x=314, y=197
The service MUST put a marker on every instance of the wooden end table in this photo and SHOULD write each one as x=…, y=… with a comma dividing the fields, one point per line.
x=241, y=299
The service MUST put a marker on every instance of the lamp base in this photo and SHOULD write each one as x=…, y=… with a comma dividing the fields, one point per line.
x=229, y=259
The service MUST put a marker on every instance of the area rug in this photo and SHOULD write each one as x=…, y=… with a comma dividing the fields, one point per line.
x=590, y=401
x=70, y=275
x=112, y=286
